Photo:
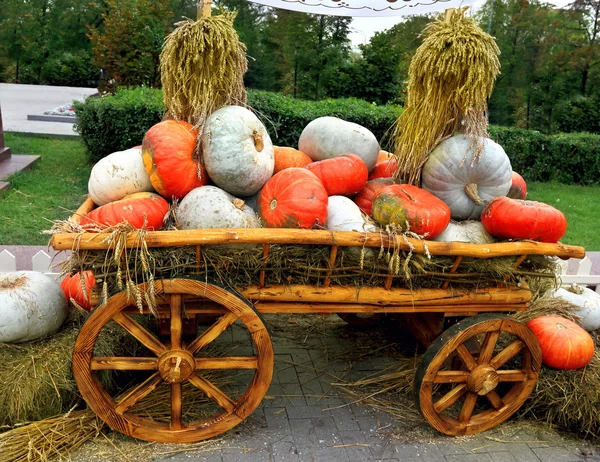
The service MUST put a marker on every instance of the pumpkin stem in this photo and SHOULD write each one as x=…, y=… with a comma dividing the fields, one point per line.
x=473, y=193
x=273, y=204
x=238, y=203
x=575, y=289
x=259, y=144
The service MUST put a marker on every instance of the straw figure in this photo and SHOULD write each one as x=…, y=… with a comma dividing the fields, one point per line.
x=450, y=79
x=202, y=66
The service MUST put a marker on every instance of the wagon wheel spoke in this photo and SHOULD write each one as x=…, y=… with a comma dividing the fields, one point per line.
x=466, y=357
x=101, y=363
x=176, y=399
x=494, y=398
x=140, y=333
x=507, y=354
x=212, y=392
x=227, y=362
x=139, y=392
x=212, y=333
x=487, y=349
x=466, y=411
x=511, y=376
x=451, y=377
x=450, y=398
x=175, y=303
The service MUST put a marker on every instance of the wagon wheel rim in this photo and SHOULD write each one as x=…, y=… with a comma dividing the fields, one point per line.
x=461, y=392
x=174, y=362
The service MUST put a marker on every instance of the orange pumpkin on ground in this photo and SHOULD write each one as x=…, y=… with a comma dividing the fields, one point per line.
x=286, y=157
x=73, y=288
x=564, y=344
x=411, y=208
x=293, y=198
x=169, y=155
x=341, y=176
x=364, y=199
x=139, y=210
x=508, y=218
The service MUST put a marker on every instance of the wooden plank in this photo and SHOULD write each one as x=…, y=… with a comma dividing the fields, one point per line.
x=176, y=323
x=176, y=401
x=96, y=241
x=379, y=296
x=326, y=308
x=331, y=263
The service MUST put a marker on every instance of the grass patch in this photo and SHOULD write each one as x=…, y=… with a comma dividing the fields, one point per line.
x=56, y=184
x=580, y=206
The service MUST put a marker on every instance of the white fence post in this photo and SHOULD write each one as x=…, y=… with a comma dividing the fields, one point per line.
x=8, y=262
x=582, y=276
x=41, y=262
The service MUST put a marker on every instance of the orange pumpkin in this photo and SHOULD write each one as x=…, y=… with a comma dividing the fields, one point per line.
x=364, y=199
x=293, y=198
x=286, y=157
x=564, y=344
x=139, y=210
x=508, y=218
x=73, y=288
x=341, y=176
x=409, y=207
x=169, y=155
x=384, y=169
x=384, y=155
x=518, y=188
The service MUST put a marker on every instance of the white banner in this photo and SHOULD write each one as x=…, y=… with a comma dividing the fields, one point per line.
x=371, y=8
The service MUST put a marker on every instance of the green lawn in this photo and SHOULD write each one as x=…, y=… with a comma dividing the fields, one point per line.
x=581, y=206
x=57, y=185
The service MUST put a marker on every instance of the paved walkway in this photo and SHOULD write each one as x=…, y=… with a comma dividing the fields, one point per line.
x=19, y=101
x=304, y=417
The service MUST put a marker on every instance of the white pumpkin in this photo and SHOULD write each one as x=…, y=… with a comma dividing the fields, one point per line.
x=237, y=151
x=588, y=303
x=465, y=231
x=344, y=215
x=211, y=207
x=328, y=137
x=117, y=175
x=452, y=174
x=32, y=305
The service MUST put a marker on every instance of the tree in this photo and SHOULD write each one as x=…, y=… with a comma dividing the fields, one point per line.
x=586, y=55
x=127, y=45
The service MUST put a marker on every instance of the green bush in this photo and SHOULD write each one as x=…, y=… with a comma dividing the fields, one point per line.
x=117, y=122
x=564, y=158
x=114, y=123
x=71, y=70
x=580, y=114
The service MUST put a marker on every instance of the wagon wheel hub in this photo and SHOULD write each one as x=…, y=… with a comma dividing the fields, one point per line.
x=175, y=366
x=482, y=379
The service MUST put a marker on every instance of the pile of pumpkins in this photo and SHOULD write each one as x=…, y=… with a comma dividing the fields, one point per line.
x=231, y=176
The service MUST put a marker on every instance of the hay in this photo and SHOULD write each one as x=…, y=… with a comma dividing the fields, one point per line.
x=36, y=377
x=239, y=266
x=202, y=68
x=58, y=436
x=450, y=79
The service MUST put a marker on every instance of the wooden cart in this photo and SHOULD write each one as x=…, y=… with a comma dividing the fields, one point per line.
x=472, y=377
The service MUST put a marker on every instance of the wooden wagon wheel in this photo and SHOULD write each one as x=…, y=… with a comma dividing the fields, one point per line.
x=461, y=390
x=174, y=362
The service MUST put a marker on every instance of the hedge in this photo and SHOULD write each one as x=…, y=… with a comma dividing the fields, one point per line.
x=114, y=123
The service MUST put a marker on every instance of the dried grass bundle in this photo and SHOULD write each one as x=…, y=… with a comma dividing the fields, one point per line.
x=202, y=68
x=451, y=77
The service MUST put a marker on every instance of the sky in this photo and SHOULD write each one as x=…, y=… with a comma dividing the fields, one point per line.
x=365, y=28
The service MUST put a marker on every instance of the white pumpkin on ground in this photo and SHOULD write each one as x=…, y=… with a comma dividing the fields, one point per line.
x=588, y=303
x=344, y=215
x=115, y=176
x=328, y=137
x=464, y=181
x=32, y=305
x=211, y=207
x=465, y=231
x=237, y=151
